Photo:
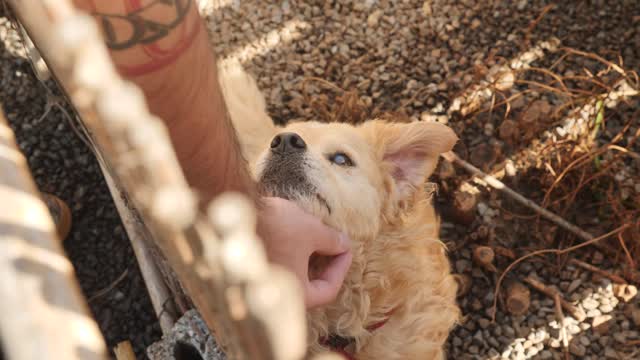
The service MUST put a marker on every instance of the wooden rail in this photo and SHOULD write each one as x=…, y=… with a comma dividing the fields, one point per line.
x=42, y=312
x=254, y=309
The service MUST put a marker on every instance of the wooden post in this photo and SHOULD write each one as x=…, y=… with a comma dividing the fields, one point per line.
x=42, y=312
x=253, y=315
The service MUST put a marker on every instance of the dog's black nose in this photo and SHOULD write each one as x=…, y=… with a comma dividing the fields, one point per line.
x=288, y=143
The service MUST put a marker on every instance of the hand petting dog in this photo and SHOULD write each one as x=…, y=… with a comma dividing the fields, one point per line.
x=292, y=236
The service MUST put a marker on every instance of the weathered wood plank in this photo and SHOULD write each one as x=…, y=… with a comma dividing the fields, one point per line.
x=42, y=312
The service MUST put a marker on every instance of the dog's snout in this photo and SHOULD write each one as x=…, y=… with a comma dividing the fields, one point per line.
x=288, y=143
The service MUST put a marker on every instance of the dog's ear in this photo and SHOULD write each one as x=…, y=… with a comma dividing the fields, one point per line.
x=409, y=152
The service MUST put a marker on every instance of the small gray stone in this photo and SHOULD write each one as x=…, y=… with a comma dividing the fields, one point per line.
x=457, y=342
x=493, y=353
x=585, y=340
x=610, y=353
x=577, y=349
x=484, y=323
x=508, y=331
x=575, y=284
x=620, y=337
x=531, y=352
x=597, y=258
x=546, y=355
x=473, y=349
x=463, y=265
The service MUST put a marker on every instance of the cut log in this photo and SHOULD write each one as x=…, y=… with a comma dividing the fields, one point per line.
x=518, y=298
x=484, y=256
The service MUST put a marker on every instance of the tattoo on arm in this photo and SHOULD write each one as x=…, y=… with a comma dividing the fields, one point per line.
x=143, y=29
x=140, y=26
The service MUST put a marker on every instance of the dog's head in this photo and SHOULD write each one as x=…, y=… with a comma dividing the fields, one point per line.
x=352, y=176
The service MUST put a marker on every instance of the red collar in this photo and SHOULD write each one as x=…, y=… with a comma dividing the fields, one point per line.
x=339, y=344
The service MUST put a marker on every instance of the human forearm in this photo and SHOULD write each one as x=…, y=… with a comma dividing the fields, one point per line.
x=163, y=48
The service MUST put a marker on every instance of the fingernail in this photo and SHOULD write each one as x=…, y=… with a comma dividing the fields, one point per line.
x=345, y=240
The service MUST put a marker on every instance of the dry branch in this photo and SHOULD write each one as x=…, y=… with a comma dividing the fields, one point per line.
x=548, y=251
x=499, y=185
x=562, y=322
x=597, y=270
x=554, y=293
x=43, y=313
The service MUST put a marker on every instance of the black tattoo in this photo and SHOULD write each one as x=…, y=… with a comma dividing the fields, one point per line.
x=143, y=30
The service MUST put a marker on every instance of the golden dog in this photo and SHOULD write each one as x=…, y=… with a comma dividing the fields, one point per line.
x=398, y=299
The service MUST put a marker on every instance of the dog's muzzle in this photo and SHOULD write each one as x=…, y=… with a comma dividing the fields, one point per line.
x=284, y=174
x=287, y=144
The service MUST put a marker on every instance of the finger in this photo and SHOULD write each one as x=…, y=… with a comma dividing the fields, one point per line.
x=328, y=241
x=321, y=238
x=324, y=290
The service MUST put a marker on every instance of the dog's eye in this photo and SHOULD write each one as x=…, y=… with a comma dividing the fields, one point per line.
x=341, y=159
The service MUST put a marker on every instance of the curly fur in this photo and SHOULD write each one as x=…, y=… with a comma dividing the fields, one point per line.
x=399, y=264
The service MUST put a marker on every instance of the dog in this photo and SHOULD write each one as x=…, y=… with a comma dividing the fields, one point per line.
x=398, y=300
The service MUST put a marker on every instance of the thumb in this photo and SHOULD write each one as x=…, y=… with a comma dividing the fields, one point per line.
x=324, y=289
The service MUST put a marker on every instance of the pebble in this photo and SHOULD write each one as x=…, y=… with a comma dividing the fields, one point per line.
x=597, y=258
x=575, y=284
x=610, y=353
x=484, y=323
x=462, y=266
x=601, y=323
x=508, y=331
x=573, y=329
x=590, y=304
x=585, y=340
x=374, y=18
x=577, y=349
x=635, y=315
x=531, y=352
x=620, y=337
x=593, y=313
x=606, y=308
x=546, y=354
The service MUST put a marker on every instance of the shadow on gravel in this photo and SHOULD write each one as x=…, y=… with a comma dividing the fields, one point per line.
x=61, y=164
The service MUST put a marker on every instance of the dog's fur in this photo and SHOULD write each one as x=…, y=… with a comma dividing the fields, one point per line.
x=399, y=265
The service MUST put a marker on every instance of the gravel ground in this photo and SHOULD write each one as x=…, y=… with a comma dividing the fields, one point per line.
x=412, y=55
x=64, y=166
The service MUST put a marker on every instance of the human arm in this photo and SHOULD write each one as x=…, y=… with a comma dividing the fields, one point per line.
x=163, y=47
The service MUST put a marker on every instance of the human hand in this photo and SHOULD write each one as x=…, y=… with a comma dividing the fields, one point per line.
x=291, y=236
